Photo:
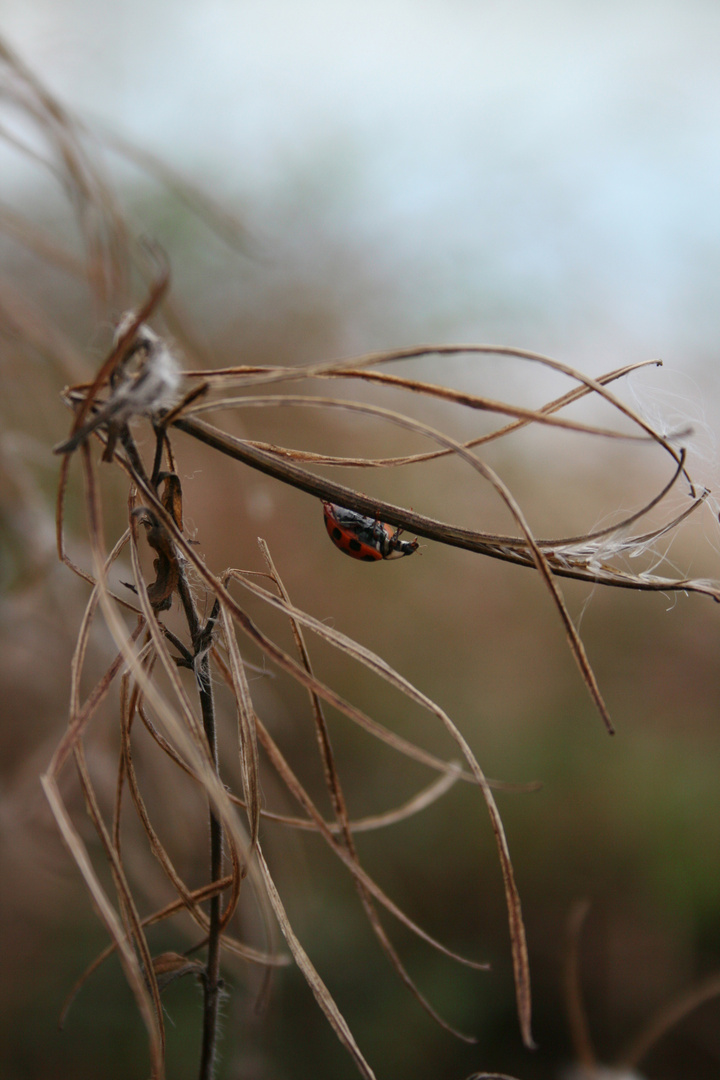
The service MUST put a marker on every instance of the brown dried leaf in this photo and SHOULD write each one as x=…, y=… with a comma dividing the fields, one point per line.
x=321, y=993
x=169, y=966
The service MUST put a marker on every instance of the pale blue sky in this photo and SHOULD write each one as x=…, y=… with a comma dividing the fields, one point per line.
x=559, y=156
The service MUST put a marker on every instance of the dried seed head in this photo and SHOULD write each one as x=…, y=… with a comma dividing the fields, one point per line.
x=148, y=377
x=145, y=381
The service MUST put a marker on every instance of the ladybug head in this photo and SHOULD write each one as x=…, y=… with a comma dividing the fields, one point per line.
x=397, y=548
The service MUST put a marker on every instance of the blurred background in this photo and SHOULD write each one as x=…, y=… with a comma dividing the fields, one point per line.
x=543, y=176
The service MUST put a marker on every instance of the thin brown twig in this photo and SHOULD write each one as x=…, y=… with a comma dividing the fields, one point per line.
x=505, y=548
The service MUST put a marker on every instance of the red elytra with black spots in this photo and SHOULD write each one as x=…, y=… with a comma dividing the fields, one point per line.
x=362, y=537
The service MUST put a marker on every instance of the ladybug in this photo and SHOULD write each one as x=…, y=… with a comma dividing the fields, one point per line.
x=364, y=538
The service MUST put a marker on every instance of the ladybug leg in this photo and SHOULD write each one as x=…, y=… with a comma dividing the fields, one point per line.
x=405, y=547
x=410, y=546
x=383, y=539
x=396, y=535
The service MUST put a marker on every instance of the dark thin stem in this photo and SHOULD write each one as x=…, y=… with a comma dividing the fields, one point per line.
x=197, y=660
x=512, y=549
x=131, y=450
x=212, y=984
x=159, y=447
x=212, y=971
x=188, y=607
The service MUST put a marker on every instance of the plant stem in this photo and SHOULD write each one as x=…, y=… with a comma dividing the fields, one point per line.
x=212, y=971
x=201, y=637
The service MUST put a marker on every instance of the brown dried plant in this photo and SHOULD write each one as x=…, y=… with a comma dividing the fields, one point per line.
x=180, y=628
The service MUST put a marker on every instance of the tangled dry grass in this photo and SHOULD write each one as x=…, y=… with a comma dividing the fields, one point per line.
x=179, y=628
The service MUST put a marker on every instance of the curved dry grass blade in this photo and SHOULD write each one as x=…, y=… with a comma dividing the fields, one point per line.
x=121, y=884
x=536, y=358
x=332, y=779
x=80, y=719
x=247, y=735
x=81, y=716
x=337, y=797
x=199, y=896
x=452, y=772
x=535, y=416
x=324, y=459
x=647, y=538
x=424, y=798
x=517, y=934
x=576, y=394
x=538, y=558
x=506, y=548
x=373, y=410
x=239, y=872
x=78, y=659
x=156, y=846
x=126, y=764
x=60, y=522
x=512, y=898
x=303, y=798
x=321, y=993
x=128, y=706
x=60, y=538
x=266, y=645
x=298, y=792
x=194, y=746
x=131, y=916
x=545, y=570
x=128, y=958
x=473, y=401
x=338, y=367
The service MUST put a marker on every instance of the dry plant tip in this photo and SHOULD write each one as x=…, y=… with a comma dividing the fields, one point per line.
x=143, y=382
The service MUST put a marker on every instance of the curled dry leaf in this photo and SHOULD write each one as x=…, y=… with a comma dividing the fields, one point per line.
x=169, y=966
